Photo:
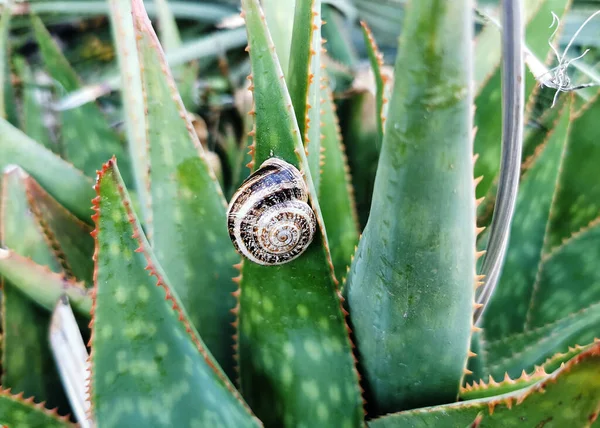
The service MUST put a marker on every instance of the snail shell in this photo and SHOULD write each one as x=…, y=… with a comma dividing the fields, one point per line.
x=269, y=219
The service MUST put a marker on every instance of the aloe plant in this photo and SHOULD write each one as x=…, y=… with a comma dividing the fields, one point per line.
x=381, y=324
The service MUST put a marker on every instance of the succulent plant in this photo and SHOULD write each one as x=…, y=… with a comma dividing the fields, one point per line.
x=381, y=320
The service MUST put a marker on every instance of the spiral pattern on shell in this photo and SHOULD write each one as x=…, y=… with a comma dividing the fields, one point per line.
x=269, y=219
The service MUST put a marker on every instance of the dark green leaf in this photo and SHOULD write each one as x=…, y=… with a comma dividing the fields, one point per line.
x=577, y=200
x=363, y=145
x=525, y=350
x=411, y=284
x=189, y=225
x=335, y=190
x=568, y=397
x=295, y=354
x=527, y=236
x=304, y=79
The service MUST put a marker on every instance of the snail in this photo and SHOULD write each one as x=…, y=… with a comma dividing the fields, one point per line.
x=269, y=219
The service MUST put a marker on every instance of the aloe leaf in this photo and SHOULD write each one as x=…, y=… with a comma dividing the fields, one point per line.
x=170, y=41
x=32, y=119
x=519, y=351
x=414, y=269
x=280, y=20
x=27, y=364
x=304, y=78
x=363, y=145
x=567, y=397
x=527, y=234
x=87, y=139
x=488, y=113
x=556, y=361
x=568, y=279
x=7, y=98
x=16, y=412
x=133, y=101
x=577, y=200
x=182, y=9
x=68, y=236
x=339, y=41
x=131, y=294
x=376, y=59
x=296, y=363
x=42, y=285
x=506, y=385
x=188, y=208
x=477, y=362
x=335, y=190
x=63, y=181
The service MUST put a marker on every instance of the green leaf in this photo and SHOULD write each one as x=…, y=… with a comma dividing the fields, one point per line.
x=577, y=200
x=42, y=285
x=87, y=139
x=376, y=59
x=525, y=350
x=149, y=365
x=280, y=20
x=171, y=40
x=506, y=385
x=7, y=97
x=133, y=101
x=568, y=279
x=32, y=120
x=361, y=138
x=335, y=190
x=556, y=361
x=477, y=363
x=527, y=236
x=64, y=182
x=304, y=79
x=15, y=412
x=411, y=284
x=27, y=362
x=190, y=236
x=69, y=237
x=339, y=41
x=488, y=102
x=567, y=397
x=296, y=363
x=202, y=12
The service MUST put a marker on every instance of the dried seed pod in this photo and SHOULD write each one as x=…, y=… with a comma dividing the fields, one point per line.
x=269, y=219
